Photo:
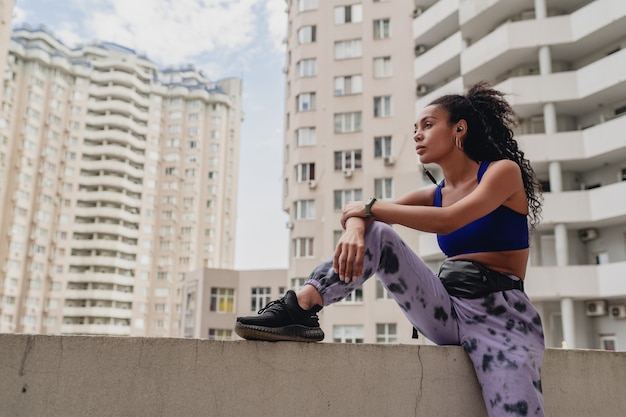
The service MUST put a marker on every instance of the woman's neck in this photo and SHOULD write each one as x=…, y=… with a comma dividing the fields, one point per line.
x=458, y=170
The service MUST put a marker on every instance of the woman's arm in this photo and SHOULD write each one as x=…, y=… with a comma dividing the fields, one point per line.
x=422, y=197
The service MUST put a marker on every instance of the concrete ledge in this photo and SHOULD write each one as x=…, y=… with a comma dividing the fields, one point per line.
x=68, y=376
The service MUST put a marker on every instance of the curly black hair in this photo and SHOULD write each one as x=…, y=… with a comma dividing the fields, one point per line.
x=489, y=136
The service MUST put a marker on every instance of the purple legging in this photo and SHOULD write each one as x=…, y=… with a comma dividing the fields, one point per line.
x=501, y=332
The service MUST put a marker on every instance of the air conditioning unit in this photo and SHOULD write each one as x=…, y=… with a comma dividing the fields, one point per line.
x=586, y=235
x=347, y=173
x=420, y=49
x=390, y=160
x=312, y=184
x=421, y=89
x=618, y=311
x=595, y=308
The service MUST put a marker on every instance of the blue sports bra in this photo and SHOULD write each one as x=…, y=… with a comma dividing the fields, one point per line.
x=501, y=230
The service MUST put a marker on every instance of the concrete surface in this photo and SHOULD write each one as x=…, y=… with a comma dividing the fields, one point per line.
x=66, y=376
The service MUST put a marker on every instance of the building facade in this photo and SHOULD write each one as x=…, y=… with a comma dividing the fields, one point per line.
x=213, y=298
x=6, y=14
x=357, y=74
x=117, y=178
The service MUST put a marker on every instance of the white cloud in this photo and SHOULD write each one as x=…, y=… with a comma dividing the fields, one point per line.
x=19, y=15
x=276, y=22
x=175, y=31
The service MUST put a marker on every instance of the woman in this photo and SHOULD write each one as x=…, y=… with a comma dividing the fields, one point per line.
x=480, y=213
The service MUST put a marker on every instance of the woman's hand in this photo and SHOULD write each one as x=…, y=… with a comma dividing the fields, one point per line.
x=350, y=250
x=352, y=209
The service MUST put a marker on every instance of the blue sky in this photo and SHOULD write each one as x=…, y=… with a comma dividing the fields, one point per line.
x=224, y=38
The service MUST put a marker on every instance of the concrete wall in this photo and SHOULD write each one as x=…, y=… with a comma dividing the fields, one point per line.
x=68, y=376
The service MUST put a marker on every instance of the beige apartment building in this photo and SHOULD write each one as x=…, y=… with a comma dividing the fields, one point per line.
x=6, y=14
x=358, y=72
x=117, y=179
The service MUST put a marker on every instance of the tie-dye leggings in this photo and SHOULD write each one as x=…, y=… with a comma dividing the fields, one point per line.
x=501, y=332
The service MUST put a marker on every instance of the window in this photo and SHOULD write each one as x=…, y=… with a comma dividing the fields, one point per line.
x=222, y=300
x=348, y=14
x=382, y=67
x=305, y=102
x=307, y=68
x=220, y=334
x=608, y=342
x=383, y=188
x=303, y=247
x=259, y=298
x=347, y=334
x=347, y=122
x=304, y=5
x=342, y=197
x=347, y=160
x=382, y=106
x=297, y=283
x=348, y=49
x=304, y=209
x=386, y=333
x=381, y=291
x=306, y=34
x=305, y=136
x=336, y=236
x=349, y=84
x=382, y=29
x=355, y=296
x=305, y=172
x=382, y=146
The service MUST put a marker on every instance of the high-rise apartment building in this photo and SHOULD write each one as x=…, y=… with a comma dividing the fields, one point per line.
x=357, y=73
x=6, y=14
x=117, y=178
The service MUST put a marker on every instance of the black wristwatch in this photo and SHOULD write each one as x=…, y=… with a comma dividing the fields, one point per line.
x=368, y=207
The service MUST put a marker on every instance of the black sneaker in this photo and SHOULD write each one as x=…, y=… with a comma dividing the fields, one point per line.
x=284, y=320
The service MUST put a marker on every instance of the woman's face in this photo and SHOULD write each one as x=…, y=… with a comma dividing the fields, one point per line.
x=433, y=136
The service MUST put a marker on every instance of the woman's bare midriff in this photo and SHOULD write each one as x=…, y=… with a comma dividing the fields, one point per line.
x=512, y=262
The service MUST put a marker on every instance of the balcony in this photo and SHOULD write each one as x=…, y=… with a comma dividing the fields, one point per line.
x=440, y=62
x=118, y=313
x=98, y=295
x=110, y=181
x=119, y=122
x=120, y=78
x=115, y=135
x=112, y=165
x=105, y=261
x=606, y=204
x=100, y=277
x=105, y=245
x=436, y=22
x=111, y=196
x=576, y=281
x=118, y=106
x=115, y=229
x=122, y=93
x=95, y=329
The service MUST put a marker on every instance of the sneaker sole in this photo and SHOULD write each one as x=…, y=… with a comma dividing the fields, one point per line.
x=293, y=333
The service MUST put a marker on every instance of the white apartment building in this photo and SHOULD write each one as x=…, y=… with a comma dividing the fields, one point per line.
x=117, y=178
x=358, y=72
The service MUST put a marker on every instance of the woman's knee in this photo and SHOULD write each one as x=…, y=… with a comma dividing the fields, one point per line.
x=382, y=230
